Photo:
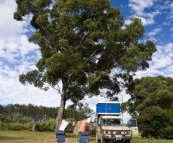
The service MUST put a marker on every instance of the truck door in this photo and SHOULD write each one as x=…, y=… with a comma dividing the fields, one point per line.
x=132, y=125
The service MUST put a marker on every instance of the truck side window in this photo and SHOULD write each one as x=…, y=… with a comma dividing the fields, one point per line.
x=132, y=123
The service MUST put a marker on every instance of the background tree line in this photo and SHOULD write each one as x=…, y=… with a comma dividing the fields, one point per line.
x=42, y=113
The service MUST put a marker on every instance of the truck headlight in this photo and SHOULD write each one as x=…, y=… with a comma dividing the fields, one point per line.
x=122, y=132
x=125, y=132
x=130, y=132
x=114, y=132
x=109, y=132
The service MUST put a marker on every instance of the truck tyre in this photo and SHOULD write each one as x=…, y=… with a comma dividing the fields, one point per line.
x=127, y=141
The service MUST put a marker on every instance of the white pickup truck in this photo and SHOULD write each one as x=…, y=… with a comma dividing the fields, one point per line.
x=110, y=127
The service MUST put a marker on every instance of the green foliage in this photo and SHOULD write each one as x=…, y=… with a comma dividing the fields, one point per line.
x=72, y=106
x=20, y=119
x=87, y=127
x=151, y=103
x=70, y=128
x=85, y=46
x=40, y=126
x=167, y=132
x=15, y=126
x=28, y=113
x=77, y=115
x=50, y=125
x=4, y=119
x=1, y=125
x=86, y=110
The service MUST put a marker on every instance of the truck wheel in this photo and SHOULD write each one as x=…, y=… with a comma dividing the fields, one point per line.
x=127, y=141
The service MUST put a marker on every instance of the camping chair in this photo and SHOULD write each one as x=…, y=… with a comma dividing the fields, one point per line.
x=84, y=138
x=60, y=136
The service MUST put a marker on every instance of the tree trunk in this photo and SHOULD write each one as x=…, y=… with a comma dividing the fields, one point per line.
x=60, y=111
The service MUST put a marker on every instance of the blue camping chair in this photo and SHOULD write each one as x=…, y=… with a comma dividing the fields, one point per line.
x=60, y=136
x=84, y=138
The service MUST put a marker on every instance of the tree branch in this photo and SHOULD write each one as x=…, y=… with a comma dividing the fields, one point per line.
x=86, y=33
x=59, y=90
x=52, y=86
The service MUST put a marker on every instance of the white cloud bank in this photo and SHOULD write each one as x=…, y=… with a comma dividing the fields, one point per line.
x=138, y=8
x=140, y=5
x=18, y=56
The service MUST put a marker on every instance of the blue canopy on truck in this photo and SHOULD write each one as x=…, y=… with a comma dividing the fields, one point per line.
x=108, y=108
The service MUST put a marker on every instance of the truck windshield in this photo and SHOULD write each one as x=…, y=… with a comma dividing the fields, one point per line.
x=111, y=122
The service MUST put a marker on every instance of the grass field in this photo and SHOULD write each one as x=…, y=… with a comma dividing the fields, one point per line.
x=49, y=137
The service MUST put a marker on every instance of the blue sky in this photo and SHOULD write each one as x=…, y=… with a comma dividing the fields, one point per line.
x=18, y=56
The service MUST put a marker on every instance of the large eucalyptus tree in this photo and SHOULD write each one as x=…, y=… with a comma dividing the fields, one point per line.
x=85, y=47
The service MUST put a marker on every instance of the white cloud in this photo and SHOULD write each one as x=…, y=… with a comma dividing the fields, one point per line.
x=161, y=59
x=153, y=39
x=13, y=41
x=9, y=27
x=149, y=72
x=166, y=23
x=25, y=46
x=147, y=19
x=161, y=64
x=140, y=5
x=171, y=6
x=167, y=8
x=154, y=32
x=13, y=92
x=15, y=50
x=166, y=2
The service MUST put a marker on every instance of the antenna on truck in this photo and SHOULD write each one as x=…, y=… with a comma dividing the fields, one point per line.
x=122, y=112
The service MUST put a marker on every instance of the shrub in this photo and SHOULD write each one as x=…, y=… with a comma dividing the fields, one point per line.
x=14, y=126
x=5, y=119
x=40, y=126
x=167, y=133
x=50, y=124
x=87, y=127
x=18, y=126
x=1, y=124
x=20, y=119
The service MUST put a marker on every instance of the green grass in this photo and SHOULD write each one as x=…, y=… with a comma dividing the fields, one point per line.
x=49, y=137
x=140, y=140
